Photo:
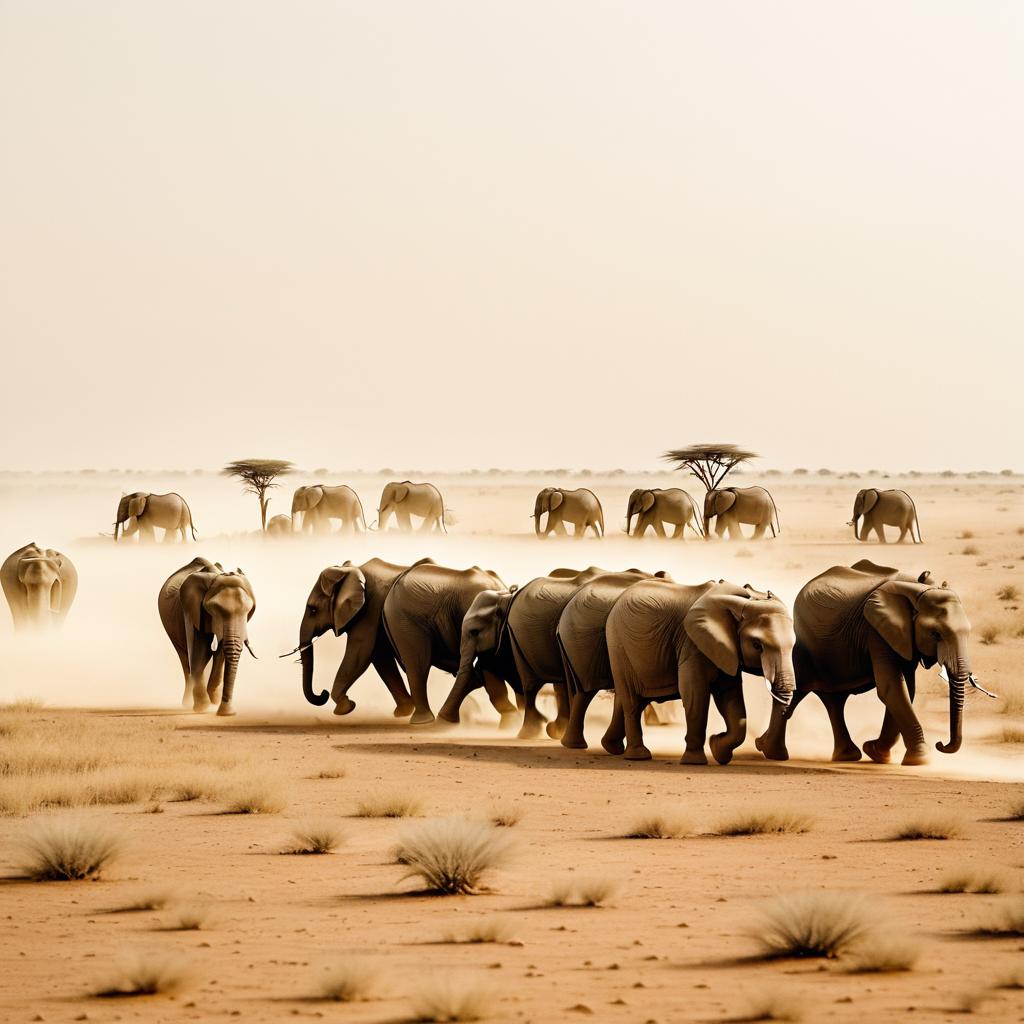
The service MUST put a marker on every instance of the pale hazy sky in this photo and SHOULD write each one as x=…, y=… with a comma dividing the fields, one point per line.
x=511, y=234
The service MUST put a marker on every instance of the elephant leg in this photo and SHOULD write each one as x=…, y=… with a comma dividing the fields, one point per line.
x=573, y=736
x=387, y=668
x=415, y=657
x=451, y=710
x=760, y=530
x=844, y=749
x=428, y=524
x=903, y=535
x=187, y=695
x=404, y=522
x=627, y=724
x=880, y=531
x=558, y=528
x=533, y=720
x=729, y=701
x=556, y=729
x=695, y=691
x=896, y=696
x=200, y=658
x=659, y=528
x=497, y=693
x=678, y=530
x=146, y=533
x=216, y=683
x=772, y=742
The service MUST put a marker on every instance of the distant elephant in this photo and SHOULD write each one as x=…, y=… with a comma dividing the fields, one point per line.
x=654, y=507
x=735, y=505
x=205, y=612
x=279, y=526
x=349, y=599
x=423, y=615
x=405, y=499
x=40, y=586
x=581, y=638
x=667, y=640
x=580, y=507
x=513, y=635
x=868, y=626
x=319, y=504
x=168, y=511
x=885, y=508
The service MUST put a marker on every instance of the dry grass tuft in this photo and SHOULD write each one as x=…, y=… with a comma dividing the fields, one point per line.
x=389, y=805
x=937, y=826
x=659, y=825
x=989, y=634
x=493, y=929
x=773, y=821
x=811, y=924
x=452, y=855
x=453, y=998
x=147, y=974
x=1012, y=734
x=1007, y=922
x=315, y=837
x=970, y=550
x=69, y=851
x=350, y=982
x=768, y=1006
x=886, y=954
x=336, y=772
x=1013, y=980
x=1015, y=812
x=506, y=817
x=196, y=788
x=971, y=881
x=190, y=919
x=154, y=899
x=259, y=796
x=585, y=892
x=1010, y=592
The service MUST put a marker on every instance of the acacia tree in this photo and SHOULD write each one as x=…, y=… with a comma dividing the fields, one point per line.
x=258, y=476
x=709, y=463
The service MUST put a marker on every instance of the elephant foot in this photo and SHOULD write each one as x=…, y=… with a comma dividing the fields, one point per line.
x=449, y=716
x=530, y=730
x=574, y=742
x=614, y=745
x=555, y=729
x=225, y=711
x=344, y=706
x=422, y=717
x=508, y=720
x=877, y=753
x=915, y=756
x=720, y=750
x=772, y=750
x=404, y=709
x=638, y=753
x=199, y=706
x=850, y=753
x=693, y=757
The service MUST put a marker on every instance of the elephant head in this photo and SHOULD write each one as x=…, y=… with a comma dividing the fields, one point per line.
x=640, y=501
x=304, y=500
x=220, y=604
x=392, y=496
x=482, y=629
x=927, y=623
x=40, y=575
x=752, y=633
x=337, y=597
x=547, y=501
x=865, y=501
x=717, y=502
x=131, y=506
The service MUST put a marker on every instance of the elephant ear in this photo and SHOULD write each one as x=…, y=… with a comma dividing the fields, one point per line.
x=557, y=497
x=647, y=502
x=712, y=624
x=137, y=505
x=401, y=492
x=724, y=501
x=349, y=598
x=314, y=495
x=891, y=613
x=192, y=594
x=870, y=500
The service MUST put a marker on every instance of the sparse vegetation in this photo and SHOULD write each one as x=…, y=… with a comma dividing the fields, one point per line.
x=659, y=825
x=258, y=476
x=315, y=837
x=970, y=550
x=506, y=816
x=886, y=954
x=1012, y=734
x=389, y=805
x=769, y=1006
x=190, y=919
x=350, y=982
x=1010, y=592
x=586, y=892
x=491, y=929
x=1015, y=812
x=147, y=974
x=332, y=772
x=1006, y=922
x=811, y=924
x=989, y=634
x=452, y=998
x=61, y=851
x=155, y=899
x=770, y=821
x=709, y=463
x=452, y=855
x=973, y=881
x=259, y=796
x=937, y=826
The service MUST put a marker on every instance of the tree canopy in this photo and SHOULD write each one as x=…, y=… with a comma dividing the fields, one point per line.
x=709, y=463
x=258, y=476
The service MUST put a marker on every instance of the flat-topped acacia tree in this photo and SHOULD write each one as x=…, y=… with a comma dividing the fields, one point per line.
x=709, y=463
x=258, y=476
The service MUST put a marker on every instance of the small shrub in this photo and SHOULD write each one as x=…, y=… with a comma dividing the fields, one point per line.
x=933, y=827
x=349, y=983
x=69, y=851
x=811, y=924
x=155, y=899
x=257, y=797
x=190, y=919
x=1013, y=980
x=493, y=929
x=506, y=817
x=146, y=974
x=989, y=634
x=389, y=805
x=766, y=822
x=330, y=773
x=770, y=1006
x=315, y=838
x=453, y=998
x=659, y=825
x=967, y=535
x=452, y=855
x=1012, y=734
x=1008, y=593
x=1006, y=922
x=982, y=882
x=970, y=549
x=192, y=789
x=886, y=954
x=586, y=892
x=1015, y=812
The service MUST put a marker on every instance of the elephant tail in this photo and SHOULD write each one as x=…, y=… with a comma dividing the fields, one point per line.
x=776, y=526
x=362, y=514
x=572, y=680
x=191, y=524
x=600, y=518
x=917, y=522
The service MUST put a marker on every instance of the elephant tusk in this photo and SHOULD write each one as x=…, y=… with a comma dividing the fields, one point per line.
x=214, y=643
x=975, y=684
x=296, y=650
x=943, y=674
x=250, y=650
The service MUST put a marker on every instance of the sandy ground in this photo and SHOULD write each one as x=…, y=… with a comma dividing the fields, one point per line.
x=671, y=946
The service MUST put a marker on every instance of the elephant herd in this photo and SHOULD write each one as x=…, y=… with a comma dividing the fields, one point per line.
x=725, y=510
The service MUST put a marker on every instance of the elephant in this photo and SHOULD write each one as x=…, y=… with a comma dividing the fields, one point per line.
x=168, y=511
x=868, y=626
x=668, y=641
x=423, y=614
x=581, y=639
x=403, y=499
x=653, y=507
x=279, y=526
x=40, y=586
x=349, y=599
x=735, y=505
x=580, y=507
x=319, y=504
x=885, y=508
x=205, y=612
x=513, y=636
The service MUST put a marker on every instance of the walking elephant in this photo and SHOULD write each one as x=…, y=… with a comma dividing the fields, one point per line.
x=318, y=504
x=40, y=586
x=349, y=599
x=168, y=511
x=513, y=636
x=406, y=499
x=885, y=508
x=867, y=627
x=668, y=641
x=279, y=526
x=581, y=639
x=733, y=506
x=423, y=615
x=580, y=507
x=654, y=507
x=205, y=612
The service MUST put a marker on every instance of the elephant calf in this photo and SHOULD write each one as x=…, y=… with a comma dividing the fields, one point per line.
x=581, y=508
x=880, y=509
x=405, y=499
x=655, y=507
x=141, y=512
x=205, y=612
x=40, y=586
x=732, y=506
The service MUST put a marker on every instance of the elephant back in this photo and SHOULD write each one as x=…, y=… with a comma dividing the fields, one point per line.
x=827, y=604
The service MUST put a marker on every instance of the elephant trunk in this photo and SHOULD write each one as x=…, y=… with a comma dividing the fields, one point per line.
x=306, y=655
x=462, y=685
x=856, y=536
x=957, y=687
x=38, y=600
x=232, y=648
x=537, y=513
x=778, y=674
x=117, y=527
